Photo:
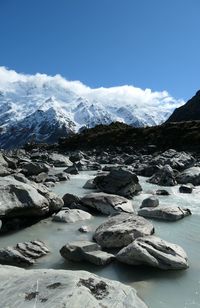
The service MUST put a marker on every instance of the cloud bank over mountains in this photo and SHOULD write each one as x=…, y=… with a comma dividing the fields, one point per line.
x=43, y=108
x=127, y=94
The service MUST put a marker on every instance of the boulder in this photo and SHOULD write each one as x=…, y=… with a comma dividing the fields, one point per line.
x=40, y=178
x=150, y=202
x=86, y=251
x=164, y=177
x=30, y=168
x=106, y=203
x=87, y=165
x=99, y=257
x=191, y=175
x=120, y=230
x=72, y=170
x=21, y=199
x=153, y=251
x=23, y=253
x=176, y=160
x=162, y=192
x=186, y=188
x=120, y=182
x=69, y=199
x=62, y=176
x=63, y=288
x=70, y=216
x=75, y=251
x=89, y=184
x=84, y=229
x=59, y=160
x=169, y=213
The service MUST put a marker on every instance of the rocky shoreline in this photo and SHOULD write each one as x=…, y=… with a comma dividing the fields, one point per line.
x=26, y=181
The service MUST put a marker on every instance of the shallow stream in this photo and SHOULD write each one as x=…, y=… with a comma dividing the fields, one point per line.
x=159, y=289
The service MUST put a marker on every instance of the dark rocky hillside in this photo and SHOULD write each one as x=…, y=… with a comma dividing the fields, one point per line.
x=181, y=136
x=189, y=111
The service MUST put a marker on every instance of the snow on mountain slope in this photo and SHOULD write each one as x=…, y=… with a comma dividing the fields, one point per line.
x=43, y=108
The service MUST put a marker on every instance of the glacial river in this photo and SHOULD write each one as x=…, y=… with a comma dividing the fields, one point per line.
x=159, y=289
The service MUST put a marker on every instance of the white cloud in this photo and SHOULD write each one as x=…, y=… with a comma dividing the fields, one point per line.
x=127, y=94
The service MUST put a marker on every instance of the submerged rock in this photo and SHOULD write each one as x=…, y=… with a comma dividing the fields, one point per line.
x=170, y=213
x=120, y=182
x=153, y=251
x=63, y=288
x=120, y=230
x=106, y=203
x=71, y=215
x=23, y=253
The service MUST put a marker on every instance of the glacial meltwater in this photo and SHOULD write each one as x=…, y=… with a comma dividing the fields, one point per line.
x=158, y=288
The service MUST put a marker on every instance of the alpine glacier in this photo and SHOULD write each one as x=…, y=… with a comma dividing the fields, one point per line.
x=43, y=108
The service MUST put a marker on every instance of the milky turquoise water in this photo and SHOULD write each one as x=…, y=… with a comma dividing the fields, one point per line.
x=159, y=289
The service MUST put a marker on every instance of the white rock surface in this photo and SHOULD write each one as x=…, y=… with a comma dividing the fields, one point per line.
x=70, y=216
x=49, y=288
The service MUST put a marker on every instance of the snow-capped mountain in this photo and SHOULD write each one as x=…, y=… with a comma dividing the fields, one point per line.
x=44, y=108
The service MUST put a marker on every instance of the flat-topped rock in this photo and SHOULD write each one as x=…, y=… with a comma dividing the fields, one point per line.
x=63, y=288
x=120, y=182
x=120, y=230
x=99, y=257
x=106, y=203
x=23, y=253
x=71, y=215
x=75, y=251
x=168, y=213
x=153, y=251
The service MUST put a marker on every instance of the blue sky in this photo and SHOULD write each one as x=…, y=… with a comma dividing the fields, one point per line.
x=146, y=43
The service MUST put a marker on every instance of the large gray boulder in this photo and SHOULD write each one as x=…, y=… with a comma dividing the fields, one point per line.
x=106, y=203
x=19, y=199
x=176, y=160
x=168, y=213
x=153, y=251
x=164, y=177
x=32, y=168
x=59, y=160
x=119, y=182
x=120, y=230
x=23, y=254
x=63, y=288
x=71, y=215
x=191, y=175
